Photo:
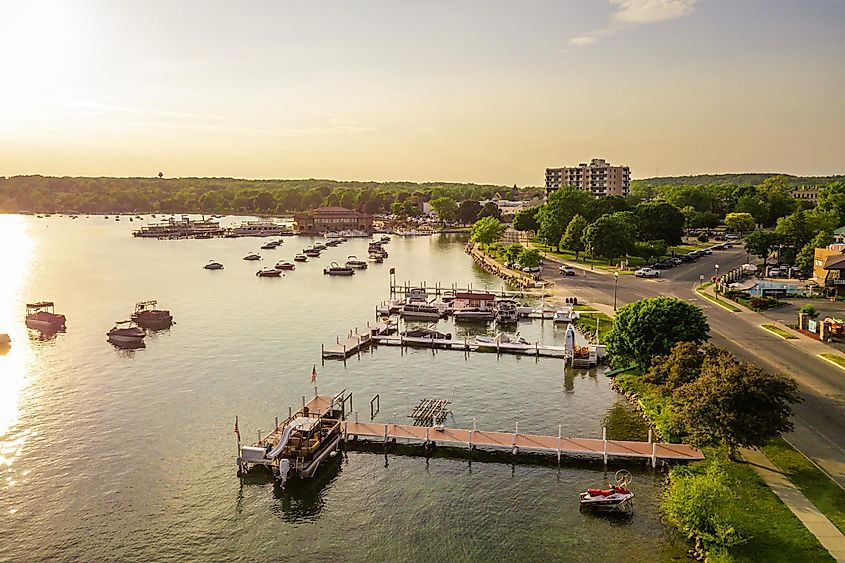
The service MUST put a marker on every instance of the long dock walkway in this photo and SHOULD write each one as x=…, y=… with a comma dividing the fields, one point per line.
x=471, y=346
x=357, y=341
x=559, y=445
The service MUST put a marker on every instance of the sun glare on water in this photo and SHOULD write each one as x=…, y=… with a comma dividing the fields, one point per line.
x=15, y=259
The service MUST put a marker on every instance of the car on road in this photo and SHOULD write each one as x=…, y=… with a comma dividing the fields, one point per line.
x=566, y=271
x=647, y=273
x=706, y=251
x=664, y=265
x=532, y=269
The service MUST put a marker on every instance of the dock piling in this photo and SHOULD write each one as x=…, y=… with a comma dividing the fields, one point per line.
x=654, y=455
x=559, y=430
x=277, y=423
x=604, y=440
x=290, y=411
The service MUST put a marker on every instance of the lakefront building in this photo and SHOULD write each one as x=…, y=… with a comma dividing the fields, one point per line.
x=599, y=178
x=333, y=219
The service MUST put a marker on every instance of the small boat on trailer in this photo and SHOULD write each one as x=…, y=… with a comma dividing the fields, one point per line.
x=147, y=316
x=336, y=269
x=126, y=334
x=616, y=498
x=42, y=316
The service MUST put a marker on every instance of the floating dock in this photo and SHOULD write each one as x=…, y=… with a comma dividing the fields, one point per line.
x=356, y=341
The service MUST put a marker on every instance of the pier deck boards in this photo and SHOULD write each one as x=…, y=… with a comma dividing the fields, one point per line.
x=527, y=442
x=468, y=345
x=356, y=342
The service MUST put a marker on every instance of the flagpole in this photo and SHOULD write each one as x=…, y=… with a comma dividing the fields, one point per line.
x=238, y=434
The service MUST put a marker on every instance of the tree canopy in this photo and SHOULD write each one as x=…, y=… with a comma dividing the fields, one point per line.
x=649, y=328
x=468, y=211
x=562, y=205
x=487, y=230
x=573, y=236
x=610, y=236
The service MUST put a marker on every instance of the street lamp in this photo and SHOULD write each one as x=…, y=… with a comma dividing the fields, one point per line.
x=717, y=272
x=615, y=284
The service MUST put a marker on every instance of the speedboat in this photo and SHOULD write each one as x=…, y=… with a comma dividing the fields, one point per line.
x=375, y=258
x=42, y=316
x=127, y=334
x=615, y=498
x=300, y=258
x=384, y=240
x=212, y=265
x=503, y=340
x=284, y=266
x=269, y=246
x=147, y=316
x=353, y=262
x=312, y=252
x=268, y=273
x=473, y=314
x=506, y=311
x=420, y=311
x=319, y=246
x=252, y=256
x=336, y=269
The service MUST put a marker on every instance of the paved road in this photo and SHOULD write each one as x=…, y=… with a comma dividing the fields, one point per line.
x=819, y=420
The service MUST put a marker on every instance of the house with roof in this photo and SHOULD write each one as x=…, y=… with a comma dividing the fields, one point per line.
x=829, y=269
x=333, y=219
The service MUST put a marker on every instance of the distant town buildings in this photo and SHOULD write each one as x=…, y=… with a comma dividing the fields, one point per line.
x=806, y=193
x=599, y=178
x=829, y=269
x=333, y=219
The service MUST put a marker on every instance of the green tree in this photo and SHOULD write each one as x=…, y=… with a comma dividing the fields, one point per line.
x=832, y=198
x=795, y=232
x=573, y=237
x=264, y=201
x=468, y=211
x=804, y=260
x=681, y=366
x=762, y=243
x=487, y=231
x=398, y=208
x=510, y=254
x=660, y=221
x=740, y=222
x=651, y=327
x=490, y=209
x=648, y=250
x=609, y=237
x=530, y=258
x=735, y=404
x=562, y=205
x=607, y=205
x=526, y=220
x=446, y=208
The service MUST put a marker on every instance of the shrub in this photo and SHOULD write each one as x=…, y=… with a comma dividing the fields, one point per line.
x=703, y=237
x=809, y=310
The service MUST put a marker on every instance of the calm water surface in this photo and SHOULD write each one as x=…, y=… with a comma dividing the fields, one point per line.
x=110, y=455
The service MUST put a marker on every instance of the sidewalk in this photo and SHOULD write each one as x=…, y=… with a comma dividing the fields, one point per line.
x=817, y=523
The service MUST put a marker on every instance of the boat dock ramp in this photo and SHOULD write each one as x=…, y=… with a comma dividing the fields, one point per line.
x=357, y=341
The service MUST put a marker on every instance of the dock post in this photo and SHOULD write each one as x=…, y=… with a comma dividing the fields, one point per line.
x=259, y=435
x=559, y=428
x=290, y=412
x=650, y=440
x=356, y=417
x=653, y=455
x=604, y=440
x=303, y=403
x=515, y=433
x=322, y=350
x=385, y=433
x=315, y=390
x=345, y=431
x=277, y=423
x=427, y=430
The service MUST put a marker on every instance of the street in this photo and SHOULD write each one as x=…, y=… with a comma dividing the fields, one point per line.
x=819, y=420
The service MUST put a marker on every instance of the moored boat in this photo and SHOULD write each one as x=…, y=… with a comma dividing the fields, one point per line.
x=312, y=252
x=147, y=316
x=252, y=256
x=212, y=265
x=284, y=266
x=353, y=262
x=268, y=273
x=336, y=269
x=300, y=258
x=127, y=334
x=615, y=498
x=506, y=311
x=565, y=314
x=42, y=316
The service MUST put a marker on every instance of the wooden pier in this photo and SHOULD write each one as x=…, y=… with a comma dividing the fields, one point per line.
x=439, y=289
x=356, y=341
x=467, y=345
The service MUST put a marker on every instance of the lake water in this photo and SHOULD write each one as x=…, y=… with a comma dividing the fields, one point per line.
x=110, y=455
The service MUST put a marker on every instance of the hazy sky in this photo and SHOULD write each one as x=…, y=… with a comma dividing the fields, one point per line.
x=464, y=90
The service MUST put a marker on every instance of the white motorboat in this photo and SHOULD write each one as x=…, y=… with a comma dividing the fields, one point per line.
x=312, y=252
x=269, y=246
x=506, y=311
x=565, y=314
x=212, y=265
x=42, y=316
x=375, y=258
x=503, y=340
x=353, y=262
x=300, y=258
x=615, y=498
x=127, y=335
x=336, y=269
x=252, y=256
x=281, y=265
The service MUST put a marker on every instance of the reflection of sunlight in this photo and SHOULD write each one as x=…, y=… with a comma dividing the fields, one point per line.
x=14, y=269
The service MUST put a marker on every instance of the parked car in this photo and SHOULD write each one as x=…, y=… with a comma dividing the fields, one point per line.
x=647, y=273
x=532, y=269
x=731, y=236
x=567, y=270
x=685, y=258
x=717, y=247
x=695, y=254
x=662, y=266
x=676, y=261
x=706, y=251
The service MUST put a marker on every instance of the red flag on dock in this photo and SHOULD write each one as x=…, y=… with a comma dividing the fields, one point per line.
x=238, y=432
x=314, y=374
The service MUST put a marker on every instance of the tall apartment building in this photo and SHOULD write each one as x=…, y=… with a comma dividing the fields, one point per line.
x=599, y=178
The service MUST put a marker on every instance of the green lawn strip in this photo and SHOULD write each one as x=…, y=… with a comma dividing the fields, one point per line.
x=717, y=301
x=837, y=359
x=633, y=261
x=584, y=308
x=586, y=322
x=820, y=489
x=771, y=531
x=779, y=331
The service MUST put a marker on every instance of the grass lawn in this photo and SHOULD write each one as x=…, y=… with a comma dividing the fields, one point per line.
x=822, y=491
x=718, y=301
x=586, y=321
x=780, y=332
x=837, y=359
x=600, y=264
x=584, y=308
x=773, y=533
